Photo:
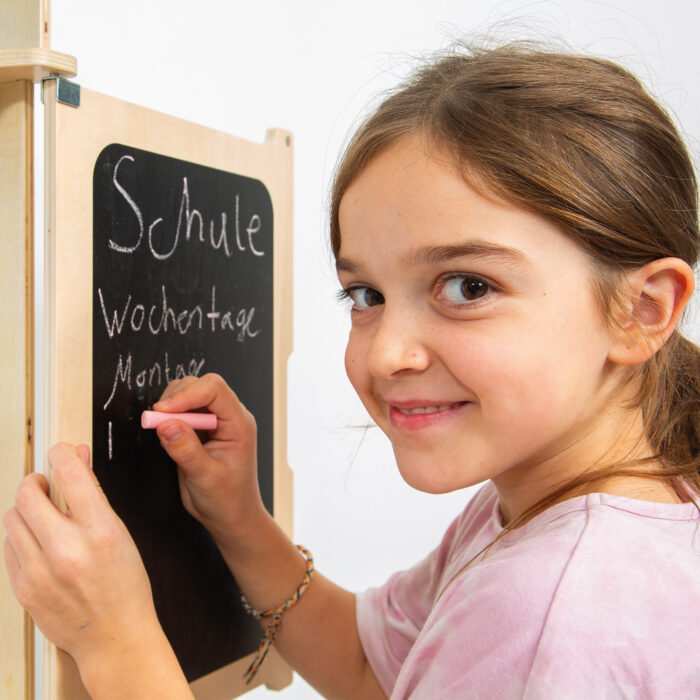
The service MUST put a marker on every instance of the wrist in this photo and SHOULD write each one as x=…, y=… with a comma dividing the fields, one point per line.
x=242, y=534
x=124, y=670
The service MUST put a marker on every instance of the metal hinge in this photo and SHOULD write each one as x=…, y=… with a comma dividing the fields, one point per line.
x=67, y=93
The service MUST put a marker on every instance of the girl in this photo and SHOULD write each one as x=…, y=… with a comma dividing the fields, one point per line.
x=515, y=232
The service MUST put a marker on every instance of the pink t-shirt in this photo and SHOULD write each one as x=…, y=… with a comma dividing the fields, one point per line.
x=597, y=597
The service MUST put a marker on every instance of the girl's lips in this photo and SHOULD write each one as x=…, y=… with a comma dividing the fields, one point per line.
x=415, y=415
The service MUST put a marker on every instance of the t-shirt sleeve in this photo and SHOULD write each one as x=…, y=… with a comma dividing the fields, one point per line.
x=390, y=617
x=476, y=639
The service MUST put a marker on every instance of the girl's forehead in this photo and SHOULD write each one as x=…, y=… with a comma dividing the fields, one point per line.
x=416, y=177
x=414, y=203
x=410, y=197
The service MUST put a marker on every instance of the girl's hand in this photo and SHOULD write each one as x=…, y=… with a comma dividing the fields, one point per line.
x=79, y=574
x=218, y=479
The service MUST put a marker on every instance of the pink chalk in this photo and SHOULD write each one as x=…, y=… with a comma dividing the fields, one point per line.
x=198, y=421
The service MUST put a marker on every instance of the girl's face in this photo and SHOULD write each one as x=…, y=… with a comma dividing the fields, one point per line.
x=476, y=344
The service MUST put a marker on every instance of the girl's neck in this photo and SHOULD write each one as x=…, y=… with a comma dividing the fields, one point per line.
x=618, y=462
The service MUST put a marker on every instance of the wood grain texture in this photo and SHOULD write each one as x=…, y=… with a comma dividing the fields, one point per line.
x=16, y=359
x=35, y=64
x=25, y=24
x=20, y=23
x=74, y=139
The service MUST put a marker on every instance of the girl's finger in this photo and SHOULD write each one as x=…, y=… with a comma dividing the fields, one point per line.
x=21, y=539
x=78, y=485
x=176, y=385
x=212, y=392
x=12, y=562
x=184, y=447
x=84, y=454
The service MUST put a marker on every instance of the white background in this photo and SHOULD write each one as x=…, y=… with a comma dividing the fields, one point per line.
x=313, y=67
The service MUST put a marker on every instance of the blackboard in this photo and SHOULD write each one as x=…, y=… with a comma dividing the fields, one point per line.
x=182, y=284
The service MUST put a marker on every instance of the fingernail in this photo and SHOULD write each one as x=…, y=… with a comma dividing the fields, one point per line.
x=172, y=433
x=86, y=457
x=161, y=403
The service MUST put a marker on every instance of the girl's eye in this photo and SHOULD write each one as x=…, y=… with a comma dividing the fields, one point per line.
x=458, y=289
x=362, y=297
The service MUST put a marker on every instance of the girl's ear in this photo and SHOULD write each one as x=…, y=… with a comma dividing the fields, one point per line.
x=658, y=293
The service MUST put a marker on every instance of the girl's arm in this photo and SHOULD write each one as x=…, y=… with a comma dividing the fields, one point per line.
x=219, y=486
x=81, y=578
x=318, y=636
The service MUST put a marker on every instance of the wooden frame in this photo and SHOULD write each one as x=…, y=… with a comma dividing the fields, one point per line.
x=74, y=137
x=25, y=57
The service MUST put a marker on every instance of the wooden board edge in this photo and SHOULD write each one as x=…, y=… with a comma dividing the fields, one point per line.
x=275, y=674
x=281, y=178
x=35, y=64
x=16, y=359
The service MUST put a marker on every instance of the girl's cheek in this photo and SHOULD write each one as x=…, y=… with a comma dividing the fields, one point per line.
x=353, y=363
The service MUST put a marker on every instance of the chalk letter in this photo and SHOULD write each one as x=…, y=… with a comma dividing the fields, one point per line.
x=152, y=372
x=189, y=216
x=213, y=315
x=136, y=325
x=133, y=205
x=160, y=256
x=253, y=228
x=238, y=228
x=124, y=373
x=222, y=238
x=117, y=324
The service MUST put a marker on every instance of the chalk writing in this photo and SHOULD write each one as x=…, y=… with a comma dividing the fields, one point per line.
x=159, y=374
x=182, y=285
x=161, y=317
x=189, y=221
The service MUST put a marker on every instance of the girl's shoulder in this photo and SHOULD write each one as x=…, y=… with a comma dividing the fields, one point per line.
x=597, y=592
x=605, y=525
x=618, y=530
x=597, y=541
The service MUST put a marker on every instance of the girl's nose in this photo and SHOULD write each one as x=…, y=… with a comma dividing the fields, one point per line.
x=398, y=345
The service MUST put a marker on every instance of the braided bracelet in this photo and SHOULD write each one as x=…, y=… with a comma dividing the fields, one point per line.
x=276, y=615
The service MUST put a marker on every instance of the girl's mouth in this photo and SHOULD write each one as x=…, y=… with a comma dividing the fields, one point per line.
x=423, y=409
x=416, y=417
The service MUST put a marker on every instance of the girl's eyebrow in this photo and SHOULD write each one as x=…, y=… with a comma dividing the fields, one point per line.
x=345, y=265
x=477, y=248
x=431, y=255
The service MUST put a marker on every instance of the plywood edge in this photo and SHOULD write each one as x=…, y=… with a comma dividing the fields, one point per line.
x=275, y=674
x=16, y=359
x=281, y=145
x=35, y=64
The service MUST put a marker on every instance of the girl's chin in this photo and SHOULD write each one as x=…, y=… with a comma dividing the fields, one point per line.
x=433, y=475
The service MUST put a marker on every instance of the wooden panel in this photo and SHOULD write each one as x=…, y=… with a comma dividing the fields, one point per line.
x=16, y=359
x=74, y=139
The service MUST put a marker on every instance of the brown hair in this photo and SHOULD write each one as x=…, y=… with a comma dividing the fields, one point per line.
x=579, y=141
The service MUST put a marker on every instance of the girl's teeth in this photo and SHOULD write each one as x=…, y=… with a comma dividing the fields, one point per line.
x=423, y=409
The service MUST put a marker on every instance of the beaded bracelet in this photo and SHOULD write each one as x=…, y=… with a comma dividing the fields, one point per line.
x=276, y=615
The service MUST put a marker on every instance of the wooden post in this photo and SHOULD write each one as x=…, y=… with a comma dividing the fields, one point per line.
x=25, y=58
x=16, y=357
x=19, y=28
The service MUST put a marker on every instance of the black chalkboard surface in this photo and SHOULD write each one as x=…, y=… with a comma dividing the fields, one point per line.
x=182, y=284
